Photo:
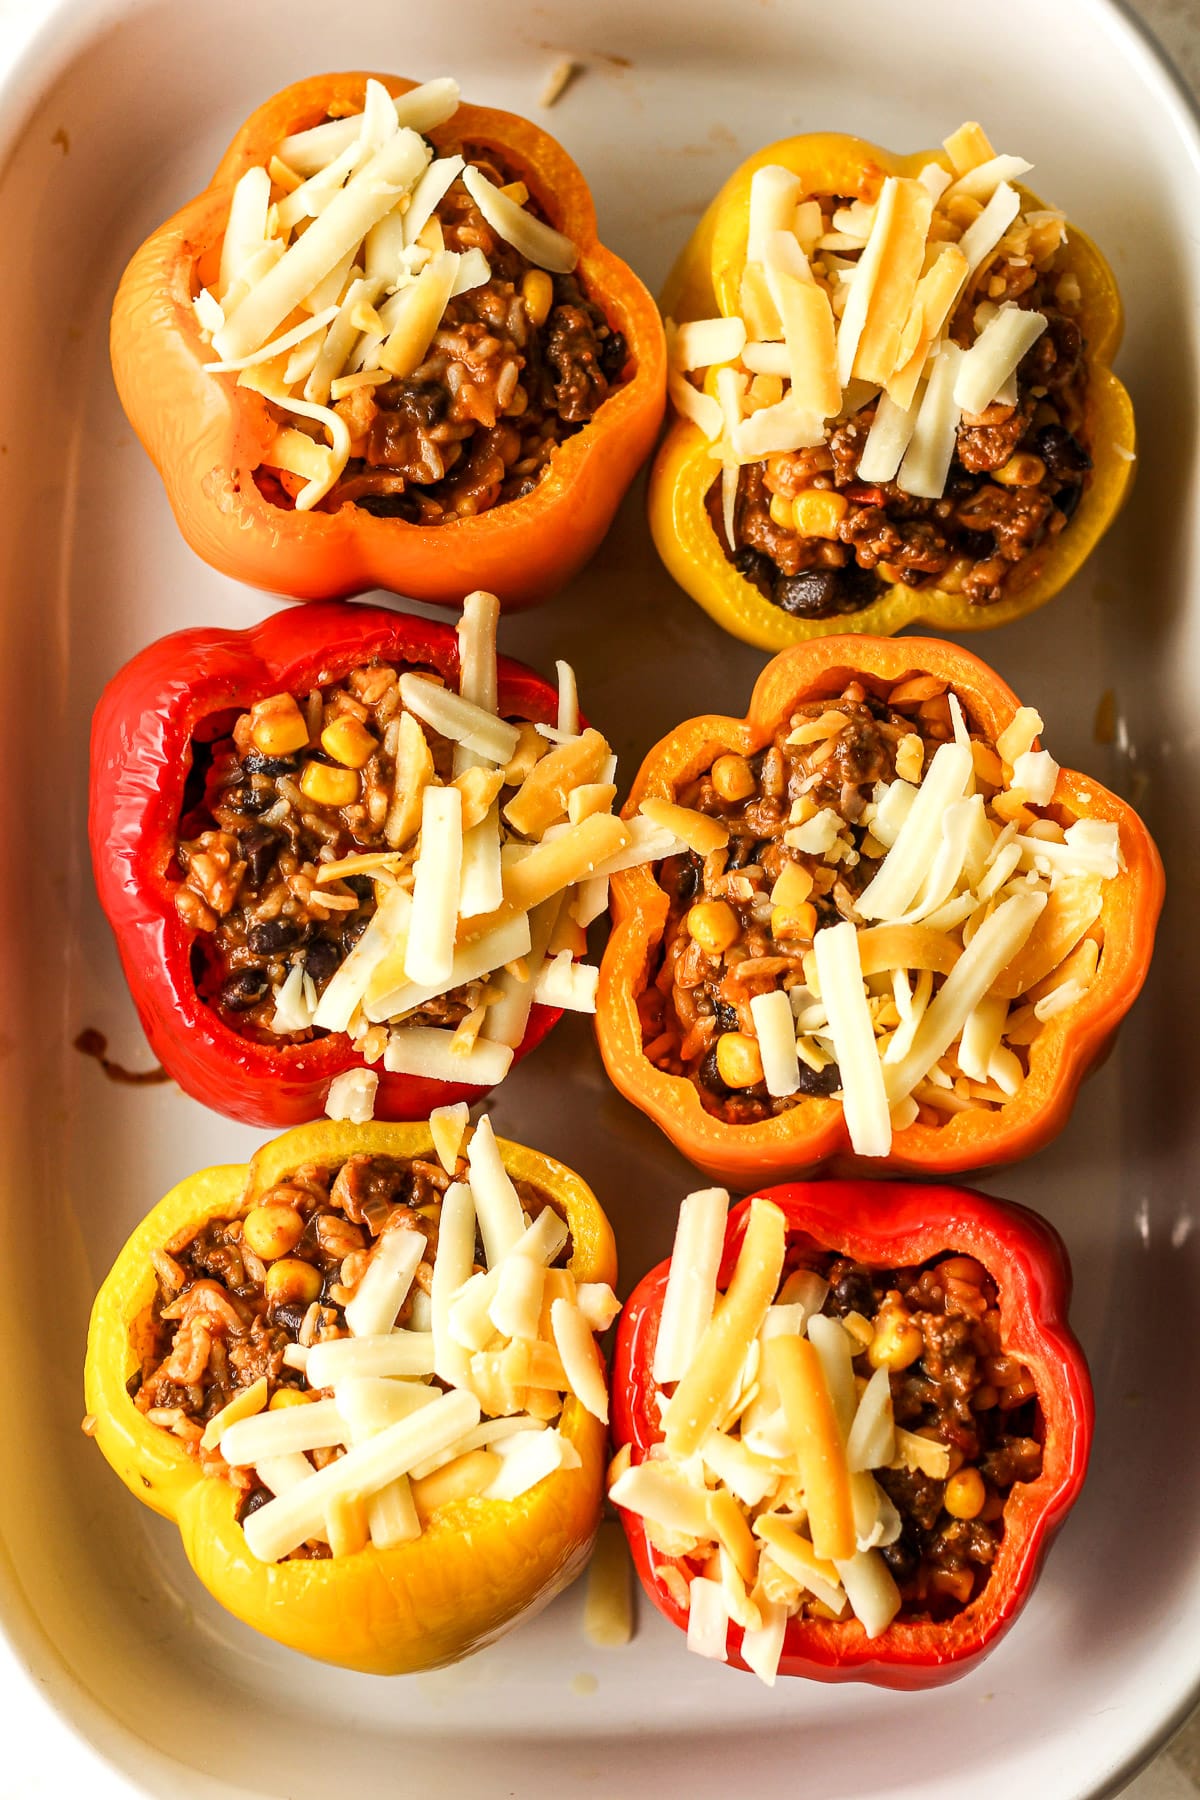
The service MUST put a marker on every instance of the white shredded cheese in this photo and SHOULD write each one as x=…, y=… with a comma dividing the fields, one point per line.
x=864, y=1101
x=568, y=984
x=992, y=359
x=691, y=1282
x=425, y=1050
x=287, y=1521
x=384, y=1287
x=536, y=241
x=775, y=1029
x=351, y=1096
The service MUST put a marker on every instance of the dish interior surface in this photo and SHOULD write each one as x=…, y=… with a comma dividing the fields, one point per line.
x=120, y=113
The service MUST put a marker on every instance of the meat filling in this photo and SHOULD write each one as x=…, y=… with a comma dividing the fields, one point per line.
x=936, y=1329
x=516, y=366
x=742, y=919
x=260, y=829
x=816, y=541
x=236, y=1296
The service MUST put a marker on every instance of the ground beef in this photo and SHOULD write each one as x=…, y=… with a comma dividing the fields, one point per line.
x=965, y=1393
x=982, y=537
x=501, y=385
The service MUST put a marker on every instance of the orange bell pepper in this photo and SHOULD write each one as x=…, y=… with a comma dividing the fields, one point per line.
x=477, y=1567
x=812, y=1135
x=707, y=279
x=206, y=436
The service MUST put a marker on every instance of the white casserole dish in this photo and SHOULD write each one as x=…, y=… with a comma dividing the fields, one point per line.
x=114, y=115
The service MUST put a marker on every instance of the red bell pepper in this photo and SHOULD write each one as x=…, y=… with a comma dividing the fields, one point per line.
x=897, y=1226
x=173, y=693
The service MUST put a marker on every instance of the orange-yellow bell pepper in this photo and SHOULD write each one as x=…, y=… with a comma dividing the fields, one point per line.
x=707, y=279
x=206, y=435
x=478, y=1565
x=812, y=1135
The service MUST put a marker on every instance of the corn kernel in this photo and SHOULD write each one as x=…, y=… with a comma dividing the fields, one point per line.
x=272, y=1231
x=328, y=786
x=897, y=1342
x=291, y=1280
x=537, y=294
x=349, y=742
x=738, y=1062
x=781, y=512
x=793, y=887
x=794, y=922
x=288, y=1396
x=714, y=925
x=516, y=191
x=1022, y=470
x=818, y=512
x=965, y=1494
x=733, y=778
x=277, y=726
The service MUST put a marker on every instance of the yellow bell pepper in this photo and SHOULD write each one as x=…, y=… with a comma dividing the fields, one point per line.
x=478, y=1565
x=706, y=281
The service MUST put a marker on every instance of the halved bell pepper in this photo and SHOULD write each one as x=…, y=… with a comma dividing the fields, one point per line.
x=478, y=1565
x=142, y=737
x=706, y=280
x=206, y=436
x=812, y=1135
x=899, y=1225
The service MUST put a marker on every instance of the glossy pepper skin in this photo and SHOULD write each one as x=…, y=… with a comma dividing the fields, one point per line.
x=812, y=1136
x=889, y=1227
x=206, y=436
x=478, y=1566
x=142, y=734
x=707, y=279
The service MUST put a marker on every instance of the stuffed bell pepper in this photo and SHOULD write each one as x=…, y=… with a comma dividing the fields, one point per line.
x=361, y=1377
x=892, y=394
x=851, y=1467
x=349, y=857
x=901, y=934
x=385, y=348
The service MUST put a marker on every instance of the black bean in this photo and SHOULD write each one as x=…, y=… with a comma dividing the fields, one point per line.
x=417, y=402
x=260, y=846
x=813, y=594
x=247, y=801
x=901, y=1560
x=254, y=1499
x=824, y=1081
x=322, y=958
x=361, y=886
x=1062, y=453
x=709, y=1076
x=680, y=876
x=290, y=1317
x=614, y=354
x=977, y=544
x=757, y=569
x=1067, y=499
x=273, y=935
x=854, y=1291
x=389, y=506
x=243, y=989
x=255, y=763
x=742, y=851
x=726, y=1015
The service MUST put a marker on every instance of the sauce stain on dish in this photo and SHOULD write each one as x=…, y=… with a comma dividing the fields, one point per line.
x=91, y=1042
